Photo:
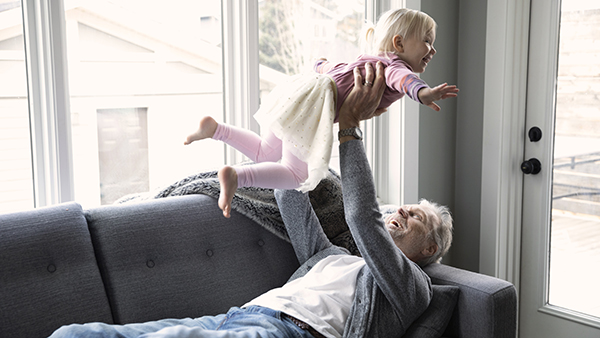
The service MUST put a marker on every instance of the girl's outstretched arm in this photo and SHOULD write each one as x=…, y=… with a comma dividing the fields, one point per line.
x=428, y=96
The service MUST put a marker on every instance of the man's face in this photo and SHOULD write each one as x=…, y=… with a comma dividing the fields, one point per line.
x=409, y=228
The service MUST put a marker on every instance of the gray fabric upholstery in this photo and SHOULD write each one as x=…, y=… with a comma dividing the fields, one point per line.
x=175, y=257
x=433, y=322
x=487, y=306
x=179, y=257
x=48, y=273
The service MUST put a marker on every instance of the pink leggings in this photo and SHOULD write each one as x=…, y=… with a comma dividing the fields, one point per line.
x=288, y=174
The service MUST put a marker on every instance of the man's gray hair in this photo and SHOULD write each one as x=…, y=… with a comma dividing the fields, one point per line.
x=441, y=233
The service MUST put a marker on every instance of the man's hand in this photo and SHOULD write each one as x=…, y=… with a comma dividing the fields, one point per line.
x=363, y=100
x=441, y=92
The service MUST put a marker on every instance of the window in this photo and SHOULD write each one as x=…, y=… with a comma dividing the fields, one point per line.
x=294, y=34
x=16, y=181
x=127, y=80
x=141, y=75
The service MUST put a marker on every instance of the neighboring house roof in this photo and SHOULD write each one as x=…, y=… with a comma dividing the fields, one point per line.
x=134, y=37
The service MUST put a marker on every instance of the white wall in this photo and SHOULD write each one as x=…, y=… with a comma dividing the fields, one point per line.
x=437, y=132
x=469, y=133
x=451, y=140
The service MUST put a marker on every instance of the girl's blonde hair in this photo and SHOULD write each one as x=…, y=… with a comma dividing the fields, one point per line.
x=408, y=23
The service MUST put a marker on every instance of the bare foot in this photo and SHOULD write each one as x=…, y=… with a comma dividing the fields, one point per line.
x=207, y=129
x=229, y=183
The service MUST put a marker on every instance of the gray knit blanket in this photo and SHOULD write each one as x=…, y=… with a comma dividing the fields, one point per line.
x=259, y=204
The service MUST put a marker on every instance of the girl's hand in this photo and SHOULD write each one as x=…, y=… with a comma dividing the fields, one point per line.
x=428, y=96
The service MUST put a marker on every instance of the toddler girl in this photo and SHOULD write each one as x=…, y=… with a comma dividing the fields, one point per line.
x=297, y=117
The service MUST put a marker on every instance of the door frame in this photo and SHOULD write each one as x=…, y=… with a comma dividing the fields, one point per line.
x=541, y=94
x=506, y=64
x=509, y=25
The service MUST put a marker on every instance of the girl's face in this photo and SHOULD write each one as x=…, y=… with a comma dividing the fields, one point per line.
x=416, y=51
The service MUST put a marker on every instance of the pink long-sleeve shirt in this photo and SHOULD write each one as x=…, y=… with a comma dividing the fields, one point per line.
x=399, y=78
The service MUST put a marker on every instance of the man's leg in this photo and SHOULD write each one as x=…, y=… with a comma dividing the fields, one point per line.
x=102, y=330
x=253, y=322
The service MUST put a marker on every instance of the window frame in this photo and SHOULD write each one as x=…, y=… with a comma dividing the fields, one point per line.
x=50, y=121
x=48, y=99
x=241, y=89
x=395, y=169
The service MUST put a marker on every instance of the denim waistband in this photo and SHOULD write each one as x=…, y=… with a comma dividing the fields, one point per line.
x=264, y=310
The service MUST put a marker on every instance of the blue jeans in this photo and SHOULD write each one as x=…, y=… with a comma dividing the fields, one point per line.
x=251, y=322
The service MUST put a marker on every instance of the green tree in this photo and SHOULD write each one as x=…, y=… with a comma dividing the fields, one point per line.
x=287, y=32
x=278, y=46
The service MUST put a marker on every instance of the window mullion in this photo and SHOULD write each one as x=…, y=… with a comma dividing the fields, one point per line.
x=376, y=133
x=240, y=63
x=392, y=140
x=410, y=138
x=45, y=48
x=380, y=141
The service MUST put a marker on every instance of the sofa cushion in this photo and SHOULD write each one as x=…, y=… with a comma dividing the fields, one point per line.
x=179, y=257
x=432, y=323
x=486, y=307
x=48, y=272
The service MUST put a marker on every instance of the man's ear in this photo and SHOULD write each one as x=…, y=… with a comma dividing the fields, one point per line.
x=430, y=250
x=398, y=43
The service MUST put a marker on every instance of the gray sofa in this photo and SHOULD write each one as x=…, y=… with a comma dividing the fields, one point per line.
x=177, y=257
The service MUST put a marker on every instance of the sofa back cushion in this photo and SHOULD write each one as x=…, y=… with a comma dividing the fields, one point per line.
x=179, y=257
x=48, y=272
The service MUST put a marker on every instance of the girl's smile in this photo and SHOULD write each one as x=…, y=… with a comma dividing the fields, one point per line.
x=416, y=51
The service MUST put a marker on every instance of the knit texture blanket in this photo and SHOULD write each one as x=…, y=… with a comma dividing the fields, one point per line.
x=259, y=204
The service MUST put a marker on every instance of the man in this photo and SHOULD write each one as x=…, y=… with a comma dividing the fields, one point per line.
x=332, y=294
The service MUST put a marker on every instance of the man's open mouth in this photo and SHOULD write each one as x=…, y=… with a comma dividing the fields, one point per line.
x=396, y=223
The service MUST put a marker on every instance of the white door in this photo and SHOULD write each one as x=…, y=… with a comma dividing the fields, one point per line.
x=560, y=257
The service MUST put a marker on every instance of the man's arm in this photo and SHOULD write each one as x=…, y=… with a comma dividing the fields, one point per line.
x=303, y=226
x=404, y=284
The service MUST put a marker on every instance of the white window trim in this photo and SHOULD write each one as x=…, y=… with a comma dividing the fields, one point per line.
x=240, y=67
x=50, y=126
x=506, y=63
x=392, y=140
x=395, y=168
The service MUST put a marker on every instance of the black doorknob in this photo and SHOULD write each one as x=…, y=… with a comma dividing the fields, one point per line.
x=531, y=166
x=535, y=134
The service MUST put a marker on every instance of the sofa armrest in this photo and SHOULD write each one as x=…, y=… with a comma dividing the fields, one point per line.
x=486, y=308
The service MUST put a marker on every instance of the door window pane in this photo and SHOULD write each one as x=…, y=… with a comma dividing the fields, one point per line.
x=16, y=180
x=575, y=235
x=141, y=75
